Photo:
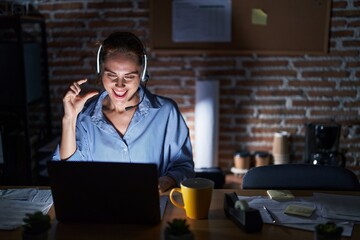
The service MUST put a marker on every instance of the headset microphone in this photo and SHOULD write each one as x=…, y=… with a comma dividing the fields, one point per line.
x=131, y=107
x=142, y=98
x=144, y=78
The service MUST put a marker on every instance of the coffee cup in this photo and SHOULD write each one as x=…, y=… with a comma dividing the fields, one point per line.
x=262, y=159
x=242, y=160
x=281, y=158
x=196, y=195
x=281, y=143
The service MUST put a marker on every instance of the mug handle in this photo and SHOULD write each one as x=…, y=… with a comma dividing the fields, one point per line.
x=173, y=201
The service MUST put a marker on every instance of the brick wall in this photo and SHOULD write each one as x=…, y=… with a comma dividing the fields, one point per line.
x=259, y=94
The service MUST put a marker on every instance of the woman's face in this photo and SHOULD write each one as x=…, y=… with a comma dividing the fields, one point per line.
x=121, y=79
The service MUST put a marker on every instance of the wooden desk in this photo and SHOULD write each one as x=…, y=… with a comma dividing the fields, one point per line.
x=216, y=227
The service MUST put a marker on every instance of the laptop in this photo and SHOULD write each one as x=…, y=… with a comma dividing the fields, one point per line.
x=106, y=192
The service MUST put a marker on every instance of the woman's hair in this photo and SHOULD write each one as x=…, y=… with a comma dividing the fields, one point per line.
x=121, y=42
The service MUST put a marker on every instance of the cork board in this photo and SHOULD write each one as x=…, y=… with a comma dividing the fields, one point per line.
x=296, y=26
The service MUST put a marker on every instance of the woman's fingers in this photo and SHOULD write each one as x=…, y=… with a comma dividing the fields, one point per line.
x=75, y=86
x=81, y=81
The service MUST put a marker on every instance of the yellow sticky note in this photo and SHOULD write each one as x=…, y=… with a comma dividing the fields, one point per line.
x=258, y=17
x=304, y=211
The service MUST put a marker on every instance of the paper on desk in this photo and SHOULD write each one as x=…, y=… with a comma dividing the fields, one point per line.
x=15, y=203
x=339, y=206
x=277, y=209
x=26, y=194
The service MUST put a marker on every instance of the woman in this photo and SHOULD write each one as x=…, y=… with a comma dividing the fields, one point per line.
x=125, y=123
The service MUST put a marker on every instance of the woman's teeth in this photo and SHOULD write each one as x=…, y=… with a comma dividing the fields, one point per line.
x=119, y=94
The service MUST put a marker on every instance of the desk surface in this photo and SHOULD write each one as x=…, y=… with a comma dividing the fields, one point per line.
x=217, y=226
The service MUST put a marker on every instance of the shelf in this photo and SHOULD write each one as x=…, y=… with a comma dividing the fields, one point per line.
x=25, y=115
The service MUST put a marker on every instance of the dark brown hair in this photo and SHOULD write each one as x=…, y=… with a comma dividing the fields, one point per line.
x=121, y=42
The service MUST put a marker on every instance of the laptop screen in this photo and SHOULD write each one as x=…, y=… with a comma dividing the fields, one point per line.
x=105, y=192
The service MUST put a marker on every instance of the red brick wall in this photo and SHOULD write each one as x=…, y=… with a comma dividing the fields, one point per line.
x=259, y=94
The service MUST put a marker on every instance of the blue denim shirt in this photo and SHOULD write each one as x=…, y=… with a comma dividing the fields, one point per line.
x=156, y=134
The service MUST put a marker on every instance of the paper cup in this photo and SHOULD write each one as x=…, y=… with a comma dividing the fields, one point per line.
x=242, y=160
x=262, y=159
x=281, y=143
x=281, y=158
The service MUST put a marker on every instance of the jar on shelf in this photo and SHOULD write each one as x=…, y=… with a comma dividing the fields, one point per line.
x=242, y=160
x=262, y=158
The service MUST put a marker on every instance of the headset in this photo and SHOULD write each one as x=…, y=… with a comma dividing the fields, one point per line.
x=144, y=75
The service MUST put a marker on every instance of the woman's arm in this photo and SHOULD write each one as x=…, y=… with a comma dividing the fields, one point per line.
x=73, y=104
x=178, y=151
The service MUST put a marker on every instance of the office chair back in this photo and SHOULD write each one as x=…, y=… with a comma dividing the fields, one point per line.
x=301, y=176
x=215, y=174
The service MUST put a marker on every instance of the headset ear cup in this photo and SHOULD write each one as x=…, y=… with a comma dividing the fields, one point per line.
x=146, y=78
x=145, y=75
x=98, y=59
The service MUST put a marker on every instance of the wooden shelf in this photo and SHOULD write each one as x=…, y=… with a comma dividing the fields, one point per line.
x=292, y=27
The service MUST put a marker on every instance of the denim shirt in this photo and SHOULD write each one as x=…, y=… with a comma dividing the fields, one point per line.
x=156, y=134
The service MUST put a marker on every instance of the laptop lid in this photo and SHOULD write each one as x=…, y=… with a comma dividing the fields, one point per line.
x=105, y=192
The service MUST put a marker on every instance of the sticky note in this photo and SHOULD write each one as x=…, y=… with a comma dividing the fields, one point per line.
x=258, y=17
x=280, y=195
x=304, y=211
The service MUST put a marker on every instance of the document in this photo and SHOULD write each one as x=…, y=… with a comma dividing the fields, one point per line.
x=201, y=20
x=16, y=203
x=278, y=208
x=343, y=207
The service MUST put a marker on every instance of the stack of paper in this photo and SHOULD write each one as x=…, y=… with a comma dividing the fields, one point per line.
x=342, y=209
x=16, y=203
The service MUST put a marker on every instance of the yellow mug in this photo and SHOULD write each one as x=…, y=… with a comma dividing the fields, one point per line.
x=196, y=194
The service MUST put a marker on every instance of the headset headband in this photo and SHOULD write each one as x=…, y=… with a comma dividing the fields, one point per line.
x=98, y=60
x=144, y=76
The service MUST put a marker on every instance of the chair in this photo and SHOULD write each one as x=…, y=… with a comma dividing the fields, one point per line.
x=300, y=176
x=213, y=173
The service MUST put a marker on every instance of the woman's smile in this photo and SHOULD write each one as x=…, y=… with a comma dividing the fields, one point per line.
x=120, y=94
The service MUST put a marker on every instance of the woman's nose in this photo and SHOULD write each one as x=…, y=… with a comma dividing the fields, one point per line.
x=120, y=82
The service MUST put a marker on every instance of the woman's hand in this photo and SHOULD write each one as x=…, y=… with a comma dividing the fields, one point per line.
x=73, y=104
x=73, y=101
x=166, y=183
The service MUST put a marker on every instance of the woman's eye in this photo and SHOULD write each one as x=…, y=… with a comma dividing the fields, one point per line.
x=129, y=78
x=112, y=76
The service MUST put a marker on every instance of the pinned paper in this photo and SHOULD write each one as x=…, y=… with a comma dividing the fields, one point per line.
x=258, y=17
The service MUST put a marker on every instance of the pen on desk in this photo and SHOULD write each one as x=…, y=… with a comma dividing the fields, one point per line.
x=270, y=214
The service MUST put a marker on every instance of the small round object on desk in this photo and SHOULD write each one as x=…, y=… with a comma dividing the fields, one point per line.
x=242, y=205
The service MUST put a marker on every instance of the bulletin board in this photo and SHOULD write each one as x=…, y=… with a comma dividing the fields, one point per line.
x=292, y=26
